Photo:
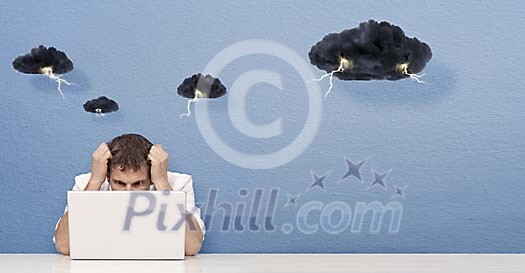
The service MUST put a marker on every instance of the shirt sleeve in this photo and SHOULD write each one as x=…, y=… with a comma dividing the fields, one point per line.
x=80, y=185
x=190, y=204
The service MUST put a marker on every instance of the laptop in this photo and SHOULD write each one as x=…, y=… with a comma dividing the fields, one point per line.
x=127, y=224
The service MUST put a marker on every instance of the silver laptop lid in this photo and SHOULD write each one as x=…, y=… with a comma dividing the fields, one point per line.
x=126, y=224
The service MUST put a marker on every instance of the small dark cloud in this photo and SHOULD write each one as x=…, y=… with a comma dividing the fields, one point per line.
x=201, y=86
x=101, y=105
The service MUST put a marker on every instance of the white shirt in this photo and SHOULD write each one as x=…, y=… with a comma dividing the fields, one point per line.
x=178, y=182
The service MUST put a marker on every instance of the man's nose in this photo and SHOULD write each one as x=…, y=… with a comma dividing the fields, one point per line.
x=128, y=187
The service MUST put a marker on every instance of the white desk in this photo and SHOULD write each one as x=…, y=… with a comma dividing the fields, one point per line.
x=243, y=263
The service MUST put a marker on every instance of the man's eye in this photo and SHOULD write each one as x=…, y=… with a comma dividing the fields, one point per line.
x=122, y=184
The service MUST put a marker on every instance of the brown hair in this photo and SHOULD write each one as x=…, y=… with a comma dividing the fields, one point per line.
x=129, y=151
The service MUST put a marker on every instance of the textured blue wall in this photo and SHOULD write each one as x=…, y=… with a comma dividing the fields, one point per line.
x=456, y=141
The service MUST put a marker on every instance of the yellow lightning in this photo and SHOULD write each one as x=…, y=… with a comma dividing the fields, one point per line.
x=403, y=68
x=344, y=64
x=48, y=71
x=99, y=112
x=198, y=95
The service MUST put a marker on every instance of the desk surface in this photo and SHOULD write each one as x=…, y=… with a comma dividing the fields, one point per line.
x=362, y=263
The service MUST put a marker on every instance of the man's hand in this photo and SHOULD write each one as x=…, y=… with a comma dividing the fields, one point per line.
x=159, y=167
x=99, y=167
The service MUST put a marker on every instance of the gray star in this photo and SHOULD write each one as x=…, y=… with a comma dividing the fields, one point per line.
x=353, y=169
x=318, y=180
x=379, y=179
x=292, y=199
x=400, y=191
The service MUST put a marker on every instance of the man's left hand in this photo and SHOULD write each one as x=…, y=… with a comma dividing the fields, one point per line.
x=159, y=167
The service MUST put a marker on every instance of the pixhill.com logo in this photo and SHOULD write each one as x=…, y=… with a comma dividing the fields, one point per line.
x=333, y=217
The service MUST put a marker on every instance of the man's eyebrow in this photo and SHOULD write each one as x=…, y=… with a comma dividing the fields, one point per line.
x=118, y=181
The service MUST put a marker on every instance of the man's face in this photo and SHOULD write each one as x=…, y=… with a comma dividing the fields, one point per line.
x=129, y=180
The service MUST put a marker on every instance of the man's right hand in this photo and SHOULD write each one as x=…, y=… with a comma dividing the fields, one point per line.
x=99, y=166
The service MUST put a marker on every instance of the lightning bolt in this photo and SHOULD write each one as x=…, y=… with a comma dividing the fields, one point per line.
x=48, y=71
x=99, y=113
x=198, y=96
x=344, y=63
x=403, y=68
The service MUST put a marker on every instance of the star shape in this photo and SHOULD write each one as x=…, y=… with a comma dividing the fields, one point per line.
x=353, y=169
x=318, y=180
x=400, y=191
x=292, y=199
x=379, y=179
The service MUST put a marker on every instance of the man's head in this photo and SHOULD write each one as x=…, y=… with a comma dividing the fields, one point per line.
x=129, y=167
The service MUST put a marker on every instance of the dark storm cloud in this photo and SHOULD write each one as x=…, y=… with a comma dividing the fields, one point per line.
x=373, y=50
x=208, y=87
x=101, y=105
x=41, y=57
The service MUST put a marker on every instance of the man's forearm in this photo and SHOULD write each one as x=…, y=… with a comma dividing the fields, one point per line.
x=194, y=236
x=62, y=235
x=93, y=185
x=163, y=185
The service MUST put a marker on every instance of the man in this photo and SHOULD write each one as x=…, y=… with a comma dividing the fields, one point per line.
x=131, y=162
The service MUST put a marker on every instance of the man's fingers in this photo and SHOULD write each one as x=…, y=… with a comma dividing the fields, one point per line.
x=156, y=153
x=151, y=152
x=156, y=149
x=103, y=148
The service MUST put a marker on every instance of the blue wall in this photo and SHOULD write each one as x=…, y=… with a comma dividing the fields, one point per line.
x=456, y=141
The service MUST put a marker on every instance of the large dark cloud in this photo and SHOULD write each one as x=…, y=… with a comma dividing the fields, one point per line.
x=208, y=87
x=101, y=105
x=375, y=50
x=41, y=57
